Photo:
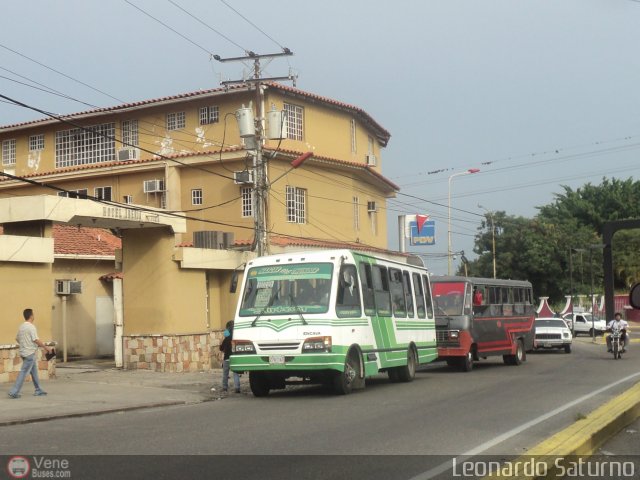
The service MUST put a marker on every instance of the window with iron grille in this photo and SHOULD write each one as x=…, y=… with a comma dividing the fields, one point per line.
x=130, y=133
x=296, y=204
x=294, y=122
x=356, y=213
x=247, y=201
x=84, y=146
x=9, y=152
x=209, y=115
x=175, y=121
x=196, y=196
x=36, y=142
x=103, y=193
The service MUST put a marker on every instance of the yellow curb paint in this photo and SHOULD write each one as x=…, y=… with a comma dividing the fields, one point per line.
x=585, y=436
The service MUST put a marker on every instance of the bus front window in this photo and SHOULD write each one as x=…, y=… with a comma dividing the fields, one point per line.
x=449, y=298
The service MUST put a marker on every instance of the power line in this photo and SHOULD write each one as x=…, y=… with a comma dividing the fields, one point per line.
x=60, y=73
x=254, y=25
x=209, y=27
x=170, y=28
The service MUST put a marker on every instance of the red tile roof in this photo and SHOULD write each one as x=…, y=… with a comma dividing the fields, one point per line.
x=71, y=240
x=284, y=241
x=109, y=277
x=384, y=135
x=337, y=161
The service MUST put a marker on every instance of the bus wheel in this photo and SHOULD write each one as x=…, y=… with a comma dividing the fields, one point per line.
x=343, y=382
x=407, y=372
x=466, y=362
x=393, y=375
x=519, y=356
x=259, y=383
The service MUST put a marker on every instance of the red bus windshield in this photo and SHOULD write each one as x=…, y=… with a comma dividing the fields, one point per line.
x=448, y=297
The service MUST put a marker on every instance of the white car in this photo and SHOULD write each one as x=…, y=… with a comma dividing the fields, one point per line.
x=552, y=333
x=585, y=323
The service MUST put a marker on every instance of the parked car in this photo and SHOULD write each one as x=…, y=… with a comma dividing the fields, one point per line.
x=552, y=333
x=584, y=323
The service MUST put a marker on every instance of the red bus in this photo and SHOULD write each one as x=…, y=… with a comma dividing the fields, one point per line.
x=482, y=317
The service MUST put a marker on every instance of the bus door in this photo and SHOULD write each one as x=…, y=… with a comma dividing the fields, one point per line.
x=377, y=305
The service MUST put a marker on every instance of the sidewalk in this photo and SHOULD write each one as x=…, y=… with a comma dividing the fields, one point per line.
x=96, y=386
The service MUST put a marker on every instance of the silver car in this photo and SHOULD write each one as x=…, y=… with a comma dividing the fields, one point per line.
x=552, y=333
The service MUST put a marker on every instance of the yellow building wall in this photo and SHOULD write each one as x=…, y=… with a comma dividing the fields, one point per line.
x=222, y=303
x=25, y=285
x=159, y=297
x=327, y=131
x=152, y=132
x=81, y=308
x=330, y=209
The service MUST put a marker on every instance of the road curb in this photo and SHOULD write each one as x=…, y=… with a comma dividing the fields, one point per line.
x=583, y=437
x=94, y=413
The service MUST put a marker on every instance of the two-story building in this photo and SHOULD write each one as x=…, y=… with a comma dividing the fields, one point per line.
x=183, y=156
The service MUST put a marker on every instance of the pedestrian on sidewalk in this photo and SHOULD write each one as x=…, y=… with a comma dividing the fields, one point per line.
x=225, y=347
x=28, y=342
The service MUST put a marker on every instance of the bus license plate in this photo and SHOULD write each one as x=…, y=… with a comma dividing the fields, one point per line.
x=276, y=359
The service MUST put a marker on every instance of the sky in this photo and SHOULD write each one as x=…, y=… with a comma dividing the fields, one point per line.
x=536, y=94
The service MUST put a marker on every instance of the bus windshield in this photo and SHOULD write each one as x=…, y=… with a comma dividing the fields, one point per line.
x=287, y=289
x=448, y=297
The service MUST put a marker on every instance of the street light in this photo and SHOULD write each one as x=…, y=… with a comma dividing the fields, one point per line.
x=493, y=237
x=466, y=172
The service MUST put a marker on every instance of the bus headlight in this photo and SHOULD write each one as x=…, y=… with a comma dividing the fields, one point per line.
x=317, y=344
x=242, y=346
x=454, y=334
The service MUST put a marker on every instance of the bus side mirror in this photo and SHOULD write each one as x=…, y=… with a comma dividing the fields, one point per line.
x=634, y=296
x=234, y=282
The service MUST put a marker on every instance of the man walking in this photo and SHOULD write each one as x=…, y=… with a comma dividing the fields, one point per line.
x=29, y=342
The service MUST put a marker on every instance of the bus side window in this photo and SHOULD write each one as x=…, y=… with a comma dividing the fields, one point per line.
x=427, y=296
x=397, y=293
x=381, y=290
x=408, y=293
x=417, y=288
x=468, y=299
x=348, y=298
x=366, y=280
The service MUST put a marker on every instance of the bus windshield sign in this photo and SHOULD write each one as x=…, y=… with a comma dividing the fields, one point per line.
x=287, y=289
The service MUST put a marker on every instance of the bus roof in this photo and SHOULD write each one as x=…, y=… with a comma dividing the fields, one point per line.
x=480, y=281
x=318, y=255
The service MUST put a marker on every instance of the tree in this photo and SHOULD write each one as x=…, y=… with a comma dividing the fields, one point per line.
x=538, y=249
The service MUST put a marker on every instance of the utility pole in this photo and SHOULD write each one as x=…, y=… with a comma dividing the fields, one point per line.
x=261, y=184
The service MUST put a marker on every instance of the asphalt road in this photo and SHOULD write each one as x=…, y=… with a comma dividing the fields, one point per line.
x=493, y=410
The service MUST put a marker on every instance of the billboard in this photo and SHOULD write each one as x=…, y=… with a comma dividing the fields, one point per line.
x=422, y=231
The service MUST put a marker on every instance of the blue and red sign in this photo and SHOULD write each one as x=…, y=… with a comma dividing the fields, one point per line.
x=422, y=231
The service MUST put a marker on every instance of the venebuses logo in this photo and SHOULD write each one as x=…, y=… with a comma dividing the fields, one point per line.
x=18, y=467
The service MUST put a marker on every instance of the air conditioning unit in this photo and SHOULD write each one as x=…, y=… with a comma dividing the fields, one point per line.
x=68, y=287
x=243, y=178
x=371, y=159
x=153, y=186
x=125, y=154
x=372, y=207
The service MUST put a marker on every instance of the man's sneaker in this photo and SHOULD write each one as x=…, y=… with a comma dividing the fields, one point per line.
x=40, y=393
x=609, y=351
x=14, y=395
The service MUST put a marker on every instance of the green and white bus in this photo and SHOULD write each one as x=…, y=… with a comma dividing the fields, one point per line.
x=332, y=317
